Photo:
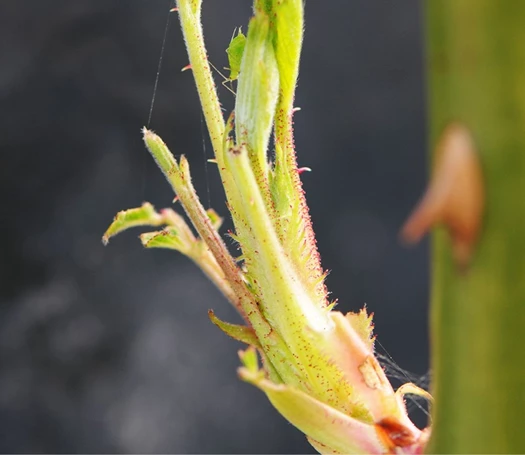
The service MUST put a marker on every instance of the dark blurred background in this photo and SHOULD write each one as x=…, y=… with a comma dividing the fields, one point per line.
x=109, y=350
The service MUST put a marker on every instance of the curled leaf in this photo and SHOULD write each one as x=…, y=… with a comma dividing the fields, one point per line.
x=139, y=216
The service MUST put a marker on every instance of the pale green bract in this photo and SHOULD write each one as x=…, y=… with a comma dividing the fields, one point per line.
x=318, y=365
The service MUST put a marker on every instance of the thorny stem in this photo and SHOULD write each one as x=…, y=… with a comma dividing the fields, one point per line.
x=476, y=73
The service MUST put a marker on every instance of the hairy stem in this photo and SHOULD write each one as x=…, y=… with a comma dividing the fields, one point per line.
x=190, y=19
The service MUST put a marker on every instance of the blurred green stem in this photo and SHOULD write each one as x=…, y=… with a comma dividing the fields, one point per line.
x=476, y=58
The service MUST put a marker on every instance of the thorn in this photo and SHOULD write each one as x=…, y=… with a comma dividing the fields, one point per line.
x=304, y=169
x=296, y=109
x=174, y=10
x=175, y=199
x=187, y=67
x=455, y=195
x=212, y=160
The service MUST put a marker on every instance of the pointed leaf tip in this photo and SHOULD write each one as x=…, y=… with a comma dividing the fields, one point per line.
x=363, y=325
x=250, y=362
x=240, y=333
x=160, y=152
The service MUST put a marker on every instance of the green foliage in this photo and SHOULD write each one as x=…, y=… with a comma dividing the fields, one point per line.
x=140, y=216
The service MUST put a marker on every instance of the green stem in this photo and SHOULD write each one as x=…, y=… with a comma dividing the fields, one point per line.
x=476, y=76
x=178, y=175
x=206, y=261
x=190, y=19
